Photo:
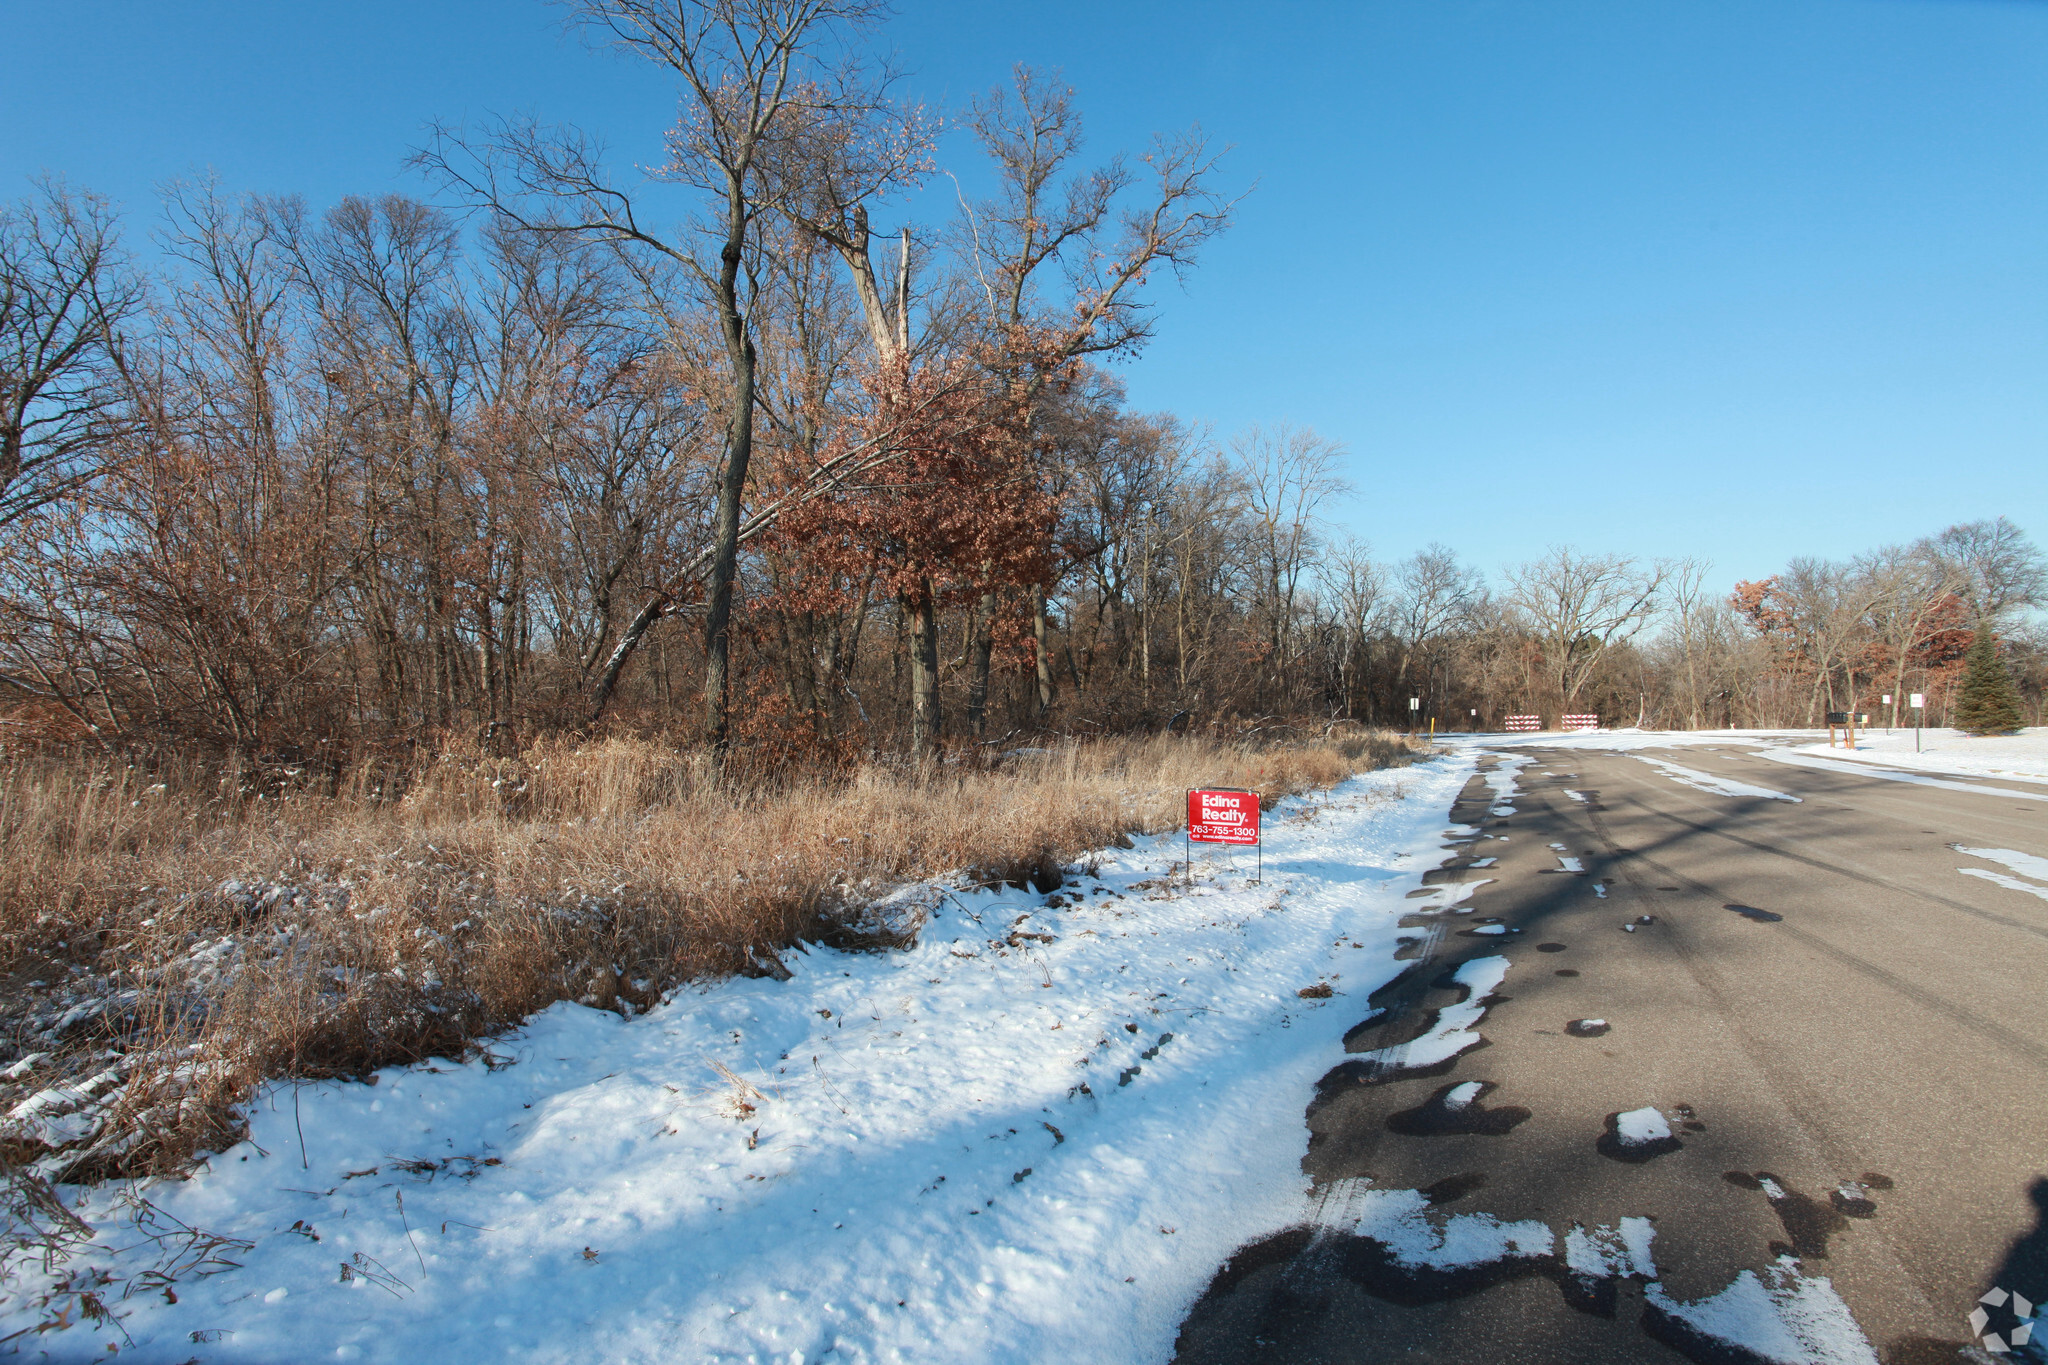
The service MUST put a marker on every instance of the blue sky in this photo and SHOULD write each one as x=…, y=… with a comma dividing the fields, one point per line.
x=1738, y=280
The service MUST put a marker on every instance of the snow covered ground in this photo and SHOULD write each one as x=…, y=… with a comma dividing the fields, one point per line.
x=2022, y=757
x=1839, y=762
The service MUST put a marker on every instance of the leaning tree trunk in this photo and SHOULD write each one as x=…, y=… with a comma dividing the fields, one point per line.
x=739, y=449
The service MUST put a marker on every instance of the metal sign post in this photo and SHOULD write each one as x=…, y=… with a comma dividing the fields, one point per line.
x=1223, y=817
x=1414, y=705
x=1918, y=701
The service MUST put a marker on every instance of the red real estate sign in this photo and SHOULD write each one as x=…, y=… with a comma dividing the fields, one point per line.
x=1222, y=817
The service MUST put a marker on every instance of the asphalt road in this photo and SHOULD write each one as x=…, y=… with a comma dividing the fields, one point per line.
x=1849, y=1035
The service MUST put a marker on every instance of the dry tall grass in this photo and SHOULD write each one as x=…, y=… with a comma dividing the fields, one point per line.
x=169, y=940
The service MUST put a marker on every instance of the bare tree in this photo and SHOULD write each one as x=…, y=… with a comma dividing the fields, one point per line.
x=1996, y=567
x=841, y=162
x=1436, y=594
x=1692, y=609
x=751, y=83
x=1289, y=473
x=65, y=293
x=1906, y=588
x=1356, y=589
x=1083, y=229
x=1827, y=604
x=1581, y=606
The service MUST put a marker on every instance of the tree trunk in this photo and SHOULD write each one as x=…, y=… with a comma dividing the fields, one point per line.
x=739, y=450
x=982, y=651
x=924, y=672
x=656, y=608
x=1039, y=631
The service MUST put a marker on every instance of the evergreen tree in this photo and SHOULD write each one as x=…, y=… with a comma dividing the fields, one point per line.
x=1989, y=705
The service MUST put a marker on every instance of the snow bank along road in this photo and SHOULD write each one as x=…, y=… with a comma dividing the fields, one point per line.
x=1766, y=1078
x=1623, y=1061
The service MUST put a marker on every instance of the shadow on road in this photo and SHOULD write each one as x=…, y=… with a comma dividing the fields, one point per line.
x=1316, y=1292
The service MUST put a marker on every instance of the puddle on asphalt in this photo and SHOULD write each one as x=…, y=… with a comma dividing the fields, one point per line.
x=1455, y=1109
x=1808, y=1222
x=1452, y=1188
x=1751, y=912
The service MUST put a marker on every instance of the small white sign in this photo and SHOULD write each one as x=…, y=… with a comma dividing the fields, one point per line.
x=1917, y=699
x=1415, y=703
x=1887, y=699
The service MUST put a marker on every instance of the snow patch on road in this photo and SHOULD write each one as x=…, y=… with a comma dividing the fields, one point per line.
x=2027, y=864
x=1602, y=1252
x=1454, y=1033
x=1449, y=894
x=1712, y=782
x=1639, y=1126
x=1398, y=1220
x=1780, y=1315
x=1504, y=777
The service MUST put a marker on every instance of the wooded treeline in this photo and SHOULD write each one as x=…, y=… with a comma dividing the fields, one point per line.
x=508, y=461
